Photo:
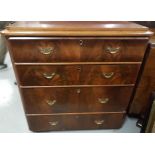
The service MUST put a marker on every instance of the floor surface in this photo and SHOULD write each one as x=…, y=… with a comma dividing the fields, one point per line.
x=12, y=118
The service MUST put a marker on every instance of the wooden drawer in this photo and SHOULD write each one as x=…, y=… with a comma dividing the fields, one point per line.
x=76, y=49
x=75, y=122
x=75, y=100
x=52, y=75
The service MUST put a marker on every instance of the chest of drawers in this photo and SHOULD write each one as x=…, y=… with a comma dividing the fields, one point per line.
x=76, y=75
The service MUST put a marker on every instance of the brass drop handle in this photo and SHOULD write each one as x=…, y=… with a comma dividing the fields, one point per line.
x=51, y=102
x=112, y=50
x=47, y=50
x=108, y=75
x=103, y=100
x=99, y=122
x=54, y=123
x=49, y=75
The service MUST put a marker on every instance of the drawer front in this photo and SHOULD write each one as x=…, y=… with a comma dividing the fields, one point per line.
x=49, y=75
x=75, y=100
x=75, y=122
x=77, y=50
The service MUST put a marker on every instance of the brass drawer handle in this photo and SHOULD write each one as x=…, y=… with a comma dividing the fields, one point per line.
x=112, y=50
x=103, y=100
x=51, y=102
x=47, y=51
x=99, y=122
x=108, y=75
x=49, y=75
x=54, y=123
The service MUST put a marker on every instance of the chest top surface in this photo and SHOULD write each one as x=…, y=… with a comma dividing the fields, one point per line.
x=76, y=28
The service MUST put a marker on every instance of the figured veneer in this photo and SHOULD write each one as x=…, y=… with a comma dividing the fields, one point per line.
x=52, y=75
x=71, y=50
x=76, y=99
x=76, y=75
x=76, y=121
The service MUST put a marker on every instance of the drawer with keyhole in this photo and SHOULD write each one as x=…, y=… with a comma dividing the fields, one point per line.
x=76, y=99
x=53, y=75
x=82, y=49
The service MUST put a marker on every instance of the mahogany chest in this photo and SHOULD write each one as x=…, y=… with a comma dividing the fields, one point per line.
x=76, y=75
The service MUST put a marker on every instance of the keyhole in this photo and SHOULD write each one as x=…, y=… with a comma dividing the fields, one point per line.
x=81, y=42
x=79, y=68
x=78, y=91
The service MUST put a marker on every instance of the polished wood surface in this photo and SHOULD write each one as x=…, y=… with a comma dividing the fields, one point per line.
x=76, y=75
x=76, y=25
x=76, y=28
x=75, y=122
x=146, y=84
x=34, y=75
x=76, y=100
x=77, y=49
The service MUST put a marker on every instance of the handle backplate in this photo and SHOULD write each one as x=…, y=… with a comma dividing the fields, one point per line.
x=49, y=75
x=103, y=100
x=47, y=50
x=112, y=50
x=53, y=123
x=99, y=122
x=51, y=102
x=108, y=75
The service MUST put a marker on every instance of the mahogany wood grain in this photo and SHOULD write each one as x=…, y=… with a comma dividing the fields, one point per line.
x=75, y=122
x=31, y=75
x=79, y=99
x=70, y=50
